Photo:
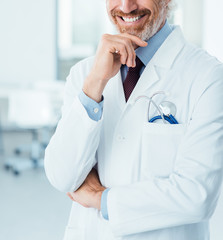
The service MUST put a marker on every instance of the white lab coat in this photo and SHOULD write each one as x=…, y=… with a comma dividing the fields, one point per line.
x=164, y=178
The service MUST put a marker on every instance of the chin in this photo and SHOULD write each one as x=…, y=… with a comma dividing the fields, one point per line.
x=145, y=34
x=147, y=30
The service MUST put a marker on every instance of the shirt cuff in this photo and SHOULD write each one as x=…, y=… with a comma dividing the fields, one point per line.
x=93, y=108
x=104, y=209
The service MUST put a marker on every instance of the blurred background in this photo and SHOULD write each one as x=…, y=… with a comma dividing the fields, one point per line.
x=40, y=41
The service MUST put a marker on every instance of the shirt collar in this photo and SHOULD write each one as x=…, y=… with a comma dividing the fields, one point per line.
x=145, y=54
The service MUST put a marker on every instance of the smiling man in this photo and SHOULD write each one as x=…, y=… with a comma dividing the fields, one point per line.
x=139, y=146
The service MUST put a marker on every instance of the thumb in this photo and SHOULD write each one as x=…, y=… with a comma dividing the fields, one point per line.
x=70, y=196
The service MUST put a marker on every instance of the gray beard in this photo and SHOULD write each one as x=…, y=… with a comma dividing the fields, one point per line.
x=151, y=27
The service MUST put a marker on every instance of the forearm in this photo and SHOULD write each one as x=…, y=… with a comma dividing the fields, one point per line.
x=70, y=154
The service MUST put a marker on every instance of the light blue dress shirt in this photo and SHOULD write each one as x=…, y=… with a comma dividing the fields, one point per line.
x=95, y=109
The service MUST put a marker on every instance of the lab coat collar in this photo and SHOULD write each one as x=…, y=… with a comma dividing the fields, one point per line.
x=160, y=63
x=162, y=60
x=169, y=50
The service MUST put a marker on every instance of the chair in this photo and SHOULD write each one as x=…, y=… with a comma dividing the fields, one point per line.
x=30, y=111
x=3, y=116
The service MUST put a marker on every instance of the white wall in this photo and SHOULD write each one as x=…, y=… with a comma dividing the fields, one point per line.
x=27, y=45
x=213, y=34
x=189, y=15
x=213, y=43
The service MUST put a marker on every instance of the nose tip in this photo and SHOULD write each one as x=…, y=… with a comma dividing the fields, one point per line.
x=128, y=6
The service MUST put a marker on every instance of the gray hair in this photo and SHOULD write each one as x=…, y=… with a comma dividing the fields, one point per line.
x=171, y=7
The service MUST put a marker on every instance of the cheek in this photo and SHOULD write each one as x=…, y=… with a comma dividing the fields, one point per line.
x=153, y=6
x=111, y=4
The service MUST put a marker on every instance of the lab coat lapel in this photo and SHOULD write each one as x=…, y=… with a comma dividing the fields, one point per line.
x=147, y=79
x=114, y=88
x=120, y=91
x=160, y=63
x=154, y=71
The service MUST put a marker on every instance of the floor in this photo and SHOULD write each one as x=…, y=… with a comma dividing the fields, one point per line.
x=30, y=208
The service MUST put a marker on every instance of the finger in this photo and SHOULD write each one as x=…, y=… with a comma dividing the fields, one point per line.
x=70, y=196
x=93, y=170
x=117, y=45
x=136, y=40
x=123, y=45
x=123, y=54
x=131, y=55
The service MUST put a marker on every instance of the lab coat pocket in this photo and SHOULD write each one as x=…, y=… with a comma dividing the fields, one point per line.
x=160, y=143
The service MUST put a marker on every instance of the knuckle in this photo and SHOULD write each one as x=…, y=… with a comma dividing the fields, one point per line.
x=105, y=37
x=127, y=41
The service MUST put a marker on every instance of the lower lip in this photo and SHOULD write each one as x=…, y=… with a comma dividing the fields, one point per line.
x=122, y=22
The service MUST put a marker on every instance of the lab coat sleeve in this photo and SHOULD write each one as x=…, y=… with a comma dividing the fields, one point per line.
x=190, y=193
x=70, y=155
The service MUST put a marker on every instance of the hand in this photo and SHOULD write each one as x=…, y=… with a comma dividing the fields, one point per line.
x=107, y=62
x=89, y=193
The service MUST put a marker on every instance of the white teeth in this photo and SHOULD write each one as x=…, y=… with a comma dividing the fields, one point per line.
x=126, y=19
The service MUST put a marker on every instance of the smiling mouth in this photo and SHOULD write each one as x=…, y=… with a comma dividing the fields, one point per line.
x=131, y=19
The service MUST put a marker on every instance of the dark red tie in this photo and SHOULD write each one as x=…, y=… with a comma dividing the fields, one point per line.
x=132, y=78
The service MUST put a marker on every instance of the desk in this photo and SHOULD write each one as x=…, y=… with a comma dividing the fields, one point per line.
x=30, y=109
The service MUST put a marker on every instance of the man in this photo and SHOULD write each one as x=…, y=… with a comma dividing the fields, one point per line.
x=128, y=177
